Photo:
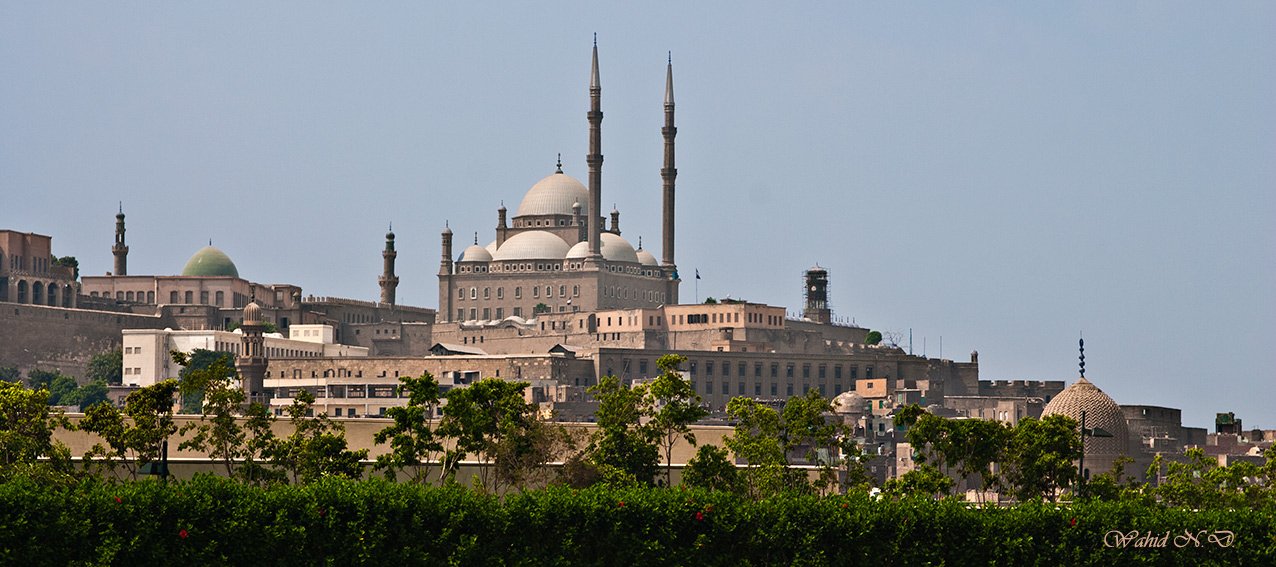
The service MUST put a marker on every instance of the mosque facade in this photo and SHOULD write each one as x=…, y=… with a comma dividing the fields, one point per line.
x=554, y=255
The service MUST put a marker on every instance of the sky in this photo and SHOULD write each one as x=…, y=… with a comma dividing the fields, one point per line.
x=999, y=177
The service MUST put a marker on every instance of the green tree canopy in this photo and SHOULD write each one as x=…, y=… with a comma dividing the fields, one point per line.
x=26, y=435
x=107, y=367
x=412, y=437
x=624, y=451
x=873, y=337
x=675, y=406
x=479, y=418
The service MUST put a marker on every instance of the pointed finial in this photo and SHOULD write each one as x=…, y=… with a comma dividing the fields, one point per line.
x=445, y=225
x=669, y=81
x=640, y=243
x=210, y=242
x=121, y=206
x=476, y=238
x=595, y=39
x=560, y=163
x=391, y=226
x=594, y=82
x=1081, y=346
x=671, y=58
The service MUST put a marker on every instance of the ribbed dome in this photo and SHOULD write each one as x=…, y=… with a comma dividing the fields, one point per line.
x=553, y=195
x=210, y=261
x=475, y=253
x=491, y=247
x=1100, y=411
x=612, y=247
x=252, y=313
x=532, y=245
x=645, y=258
x=848, y=402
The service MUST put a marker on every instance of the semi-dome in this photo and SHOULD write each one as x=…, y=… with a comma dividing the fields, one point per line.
x=1100, y=411
x=553, y=195
x=532, y=245
x=848, y=402
x=611, y=246
x=646, y=258
x=475, y=253
x=210, y=262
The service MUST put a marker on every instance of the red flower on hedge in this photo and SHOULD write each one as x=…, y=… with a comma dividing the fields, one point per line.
x=622, y=504
x=118, y=501
x=182, y=534
x=1074, y=521
x=321, y=512
x=708, y=508
x=699, y=516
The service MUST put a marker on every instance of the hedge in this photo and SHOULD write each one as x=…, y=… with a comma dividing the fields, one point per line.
x=214, y=521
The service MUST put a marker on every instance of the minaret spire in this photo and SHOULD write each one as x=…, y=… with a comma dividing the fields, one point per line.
x=388, y=280
x=667, y=175
x=595, y=161
x=1081, y=346
x=119, y=249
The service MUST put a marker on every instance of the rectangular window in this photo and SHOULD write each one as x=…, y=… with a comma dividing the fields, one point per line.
x=855, y=370
x=337, y=412
x=487, y=313
x=642, y=367
x=837, y=372
x=692, y=368
x=740, y=388
x=788, y=372
x=789, y=390
x=500, y=313
x=757, y=370
x=743, y=369
x=868, y=372
x=460, y=314
x=806, y=371
x=822, y=371
x=708, y=387
x=775, y=389
x=757, y=389
x=775, y=369
x=708, y=368
x=806, y=388
x=518, y=311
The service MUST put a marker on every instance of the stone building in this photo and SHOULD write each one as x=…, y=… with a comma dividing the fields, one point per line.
x=27, y=273
x=554, y=255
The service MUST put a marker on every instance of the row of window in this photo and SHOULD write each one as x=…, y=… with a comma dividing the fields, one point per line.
x=790, y=368
x=36, y=293
x=17, y=262
x=623, y=293
x=725, y=389
x=518, y=292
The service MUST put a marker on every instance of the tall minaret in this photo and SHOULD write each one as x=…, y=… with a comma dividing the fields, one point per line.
x=388, y=280
x=595, y=161
x=668, y=172
x=251, y=362
x=120, y=249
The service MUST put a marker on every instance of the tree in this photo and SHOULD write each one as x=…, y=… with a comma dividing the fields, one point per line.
x=924, y=480
x=758, y=439
x=61, y=387
x=520, y=458
x=967, y=447
x=1200, y=482
x=136, y=442
x=266, y=327
x=677, y=407
x=107, y=367
x=218, y=432
x=259, y=442
x=66, y=262
x=412, y=437
x=623, y=450
x=87, y=395
x=26, y=436
x=199, y=361
x=10, y=374
x=479, y=418
x=317, y=446
x=711, y=468
x=873, y=337
x=710, y=301
x=541, y=308
x=1040, y=455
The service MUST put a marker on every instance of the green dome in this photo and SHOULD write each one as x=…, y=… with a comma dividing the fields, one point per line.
x=210, y=262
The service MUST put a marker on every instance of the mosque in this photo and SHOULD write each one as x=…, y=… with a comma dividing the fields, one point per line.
x=555, y=256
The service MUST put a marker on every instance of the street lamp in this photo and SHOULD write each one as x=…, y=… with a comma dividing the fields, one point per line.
x=1091, y=432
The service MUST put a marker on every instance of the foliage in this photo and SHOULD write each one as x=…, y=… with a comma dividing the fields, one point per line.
x=711, y=469
x=412, y=438
x=26, y=436
x=199, y=361
x=760, y=439
x=134, y=442
x=1201, y=483
x=66, y=262
x=710, y=301
x=924, y=480
x=218, y=432
x=966, y=447
x=208, y=521
x=267, y=327
x=1039, y=459
x=541, y=308
x=107, y=367
x=873, y=337
x=10, y=374
x=675, y=406
x=521, y=459
x=317, y=446
x=480, y=418
x=622, y=448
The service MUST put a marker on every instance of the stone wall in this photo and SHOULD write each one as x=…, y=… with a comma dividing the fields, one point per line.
x=63, y=339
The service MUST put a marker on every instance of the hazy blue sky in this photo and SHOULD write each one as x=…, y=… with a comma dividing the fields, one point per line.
x=1002, y=175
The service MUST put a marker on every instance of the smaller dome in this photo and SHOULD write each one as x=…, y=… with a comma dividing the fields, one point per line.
x=848, y=402
x=1101, y=412
x=576, y=206
x=612, y=247
x=447, y=230
x=491, y=247
x=645, y=258
x=532, y=245
x=389, y=236
x=475, y=253
x=252, y=313
x=210, y=261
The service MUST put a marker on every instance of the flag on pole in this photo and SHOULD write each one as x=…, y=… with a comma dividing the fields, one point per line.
x=697, y=273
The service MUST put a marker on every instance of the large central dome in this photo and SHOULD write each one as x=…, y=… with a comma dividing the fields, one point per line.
x=210, y=261
x=553, y=195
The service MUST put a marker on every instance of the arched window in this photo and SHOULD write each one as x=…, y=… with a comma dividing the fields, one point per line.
x=474, y=293
x=190, y=297
x=119, y=295
x=221, y=298
x=500, y=293
x=575, y=291
x=518, y=292
x=128, y=296
x=460, y=293
x=549, y=291
x=487, y=293
x=173, y=297
x=562, y=291
x=150, y=296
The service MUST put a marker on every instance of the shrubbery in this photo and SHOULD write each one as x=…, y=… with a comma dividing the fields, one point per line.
x=336, y=521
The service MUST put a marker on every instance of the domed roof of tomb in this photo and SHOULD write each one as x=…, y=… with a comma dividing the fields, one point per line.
x=848, y=402
x=1100, y=412
x=475, y=253
x=532, y=245
x=210, y=262
x=611, y=246
x=553, y=195
x=252, y=313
